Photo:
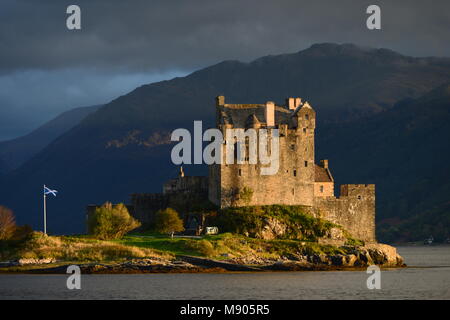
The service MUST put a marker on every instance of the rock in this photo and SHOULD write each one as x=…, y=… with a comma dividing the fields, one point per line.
x=384, y=255
x=273, y=229
x=292, y=266
x=363, y=258
x=337, y=260
x=349, y=260
x=35, y=261
x=400, y=261
x=320, y=259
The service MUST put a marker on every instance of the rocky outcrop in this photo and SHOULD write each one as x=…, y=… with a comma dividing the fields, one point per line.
x=26, y=261
x=272, y=229
x=356, y=257
x=384, y=255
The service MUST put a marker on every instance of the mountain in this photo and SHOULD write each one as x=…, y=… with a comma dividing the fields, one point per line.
x=14, y=153
x=123, y=147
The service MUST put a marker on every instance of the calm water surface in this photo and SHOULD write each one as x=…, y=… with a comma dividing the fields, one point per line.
x=428, y=277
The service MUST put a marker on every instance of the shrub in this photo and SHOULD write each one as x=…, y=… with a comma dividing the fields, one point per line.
x=204, y=247
x=246, y=195
x=7, y=223
x=111, y=222
x=168, y=221
x=22, y=232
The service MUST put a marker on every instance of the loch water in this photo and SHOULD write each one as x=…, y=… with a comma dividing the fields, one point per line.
x=426, y=277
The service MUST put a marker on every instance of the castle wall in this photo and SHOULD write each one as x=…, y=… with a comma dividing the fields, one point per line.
x=189, y=184
x=324, y=189
x=145, y=205
x=354, y=210
x=214, y=184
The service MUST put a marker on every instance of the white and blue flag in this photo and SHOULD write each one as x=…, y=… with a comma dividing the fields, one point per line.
x=49, y=191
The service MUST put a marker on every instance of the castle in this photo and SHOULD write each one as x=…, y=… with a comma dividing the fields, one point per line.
x=298, y=181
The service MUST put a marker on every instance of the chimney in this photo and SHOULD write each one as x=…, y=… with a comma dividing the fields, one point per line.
x=290, y=103
x=220, y=100
x=324, y=163
x=270, y=114
x=298, y=102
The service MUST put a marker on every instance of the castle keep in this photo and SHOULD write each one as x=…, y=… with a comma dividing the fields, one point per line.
x=298, y=181
x=295, y=181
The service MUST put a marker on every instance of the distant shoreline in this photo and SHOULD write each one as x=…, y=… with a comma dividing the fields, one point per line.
x=420, y=244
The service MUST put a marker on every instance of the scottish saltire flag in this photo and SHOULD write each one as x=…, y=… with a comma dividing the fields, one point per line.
x=49, y=191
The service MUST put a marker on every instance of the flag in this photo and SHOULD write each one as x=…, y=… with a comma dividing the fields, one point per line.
x=49, y=191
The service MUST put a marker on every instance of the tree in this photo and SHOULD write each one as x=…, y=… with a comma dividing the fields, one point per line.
x=168, y=221
x=7, y=223
x=111, y=221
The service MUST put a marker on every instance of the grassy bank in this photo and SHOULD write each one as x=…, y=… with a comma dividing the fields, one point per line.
x=83, y=249
x=229, y=245
x=73, y=248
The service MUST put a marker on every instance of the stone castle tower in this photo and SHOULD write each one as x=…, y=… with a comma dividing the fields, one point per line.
x=299, y=180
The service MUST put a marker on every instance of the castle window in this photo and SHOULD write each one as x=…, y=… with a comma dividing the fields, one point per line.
x=306, y=163
x=240, y=172
x=304, y=130
x=321, y=188
x=247, y=149
x=307, y=116
x=293, y=191
x=359, y=197
x=292, y=146
x=295, y=173
x=269, y=141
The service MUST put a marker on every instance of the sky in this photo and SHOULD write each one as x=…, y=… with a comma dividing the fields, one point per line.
x=46, y=69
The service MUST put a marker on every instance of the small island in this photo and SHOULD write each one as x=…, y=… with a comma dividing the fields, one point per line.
x=301, y=246
x=289, y=221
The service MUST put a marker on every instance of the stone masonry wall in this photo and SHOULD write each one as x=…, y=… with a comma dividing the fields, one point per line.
x=354, y=210
x=292, y=185
x=324, y=189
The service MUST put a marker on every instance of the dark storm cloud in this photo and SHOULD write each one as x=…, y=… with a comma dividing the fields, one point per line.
x=30, y=98
x=46, y=69
x=162, y=35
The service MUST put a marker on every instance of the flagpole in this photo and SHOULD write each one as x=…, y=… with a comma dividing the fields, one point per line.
x=45, y=212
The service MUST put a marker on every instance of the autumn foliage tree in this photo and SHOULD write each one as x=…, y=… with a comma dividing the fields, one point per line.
x=111, y=222
x=7, y=223
x=168, y=221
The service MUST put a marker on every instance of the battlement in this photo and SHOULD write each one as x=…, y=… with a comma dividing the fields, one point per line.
x=357, y=190
x=294, y=114
x=186, y=184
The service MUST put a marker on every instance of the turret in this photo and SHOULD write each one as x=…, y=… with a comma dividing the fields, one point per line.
x=305, y=117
